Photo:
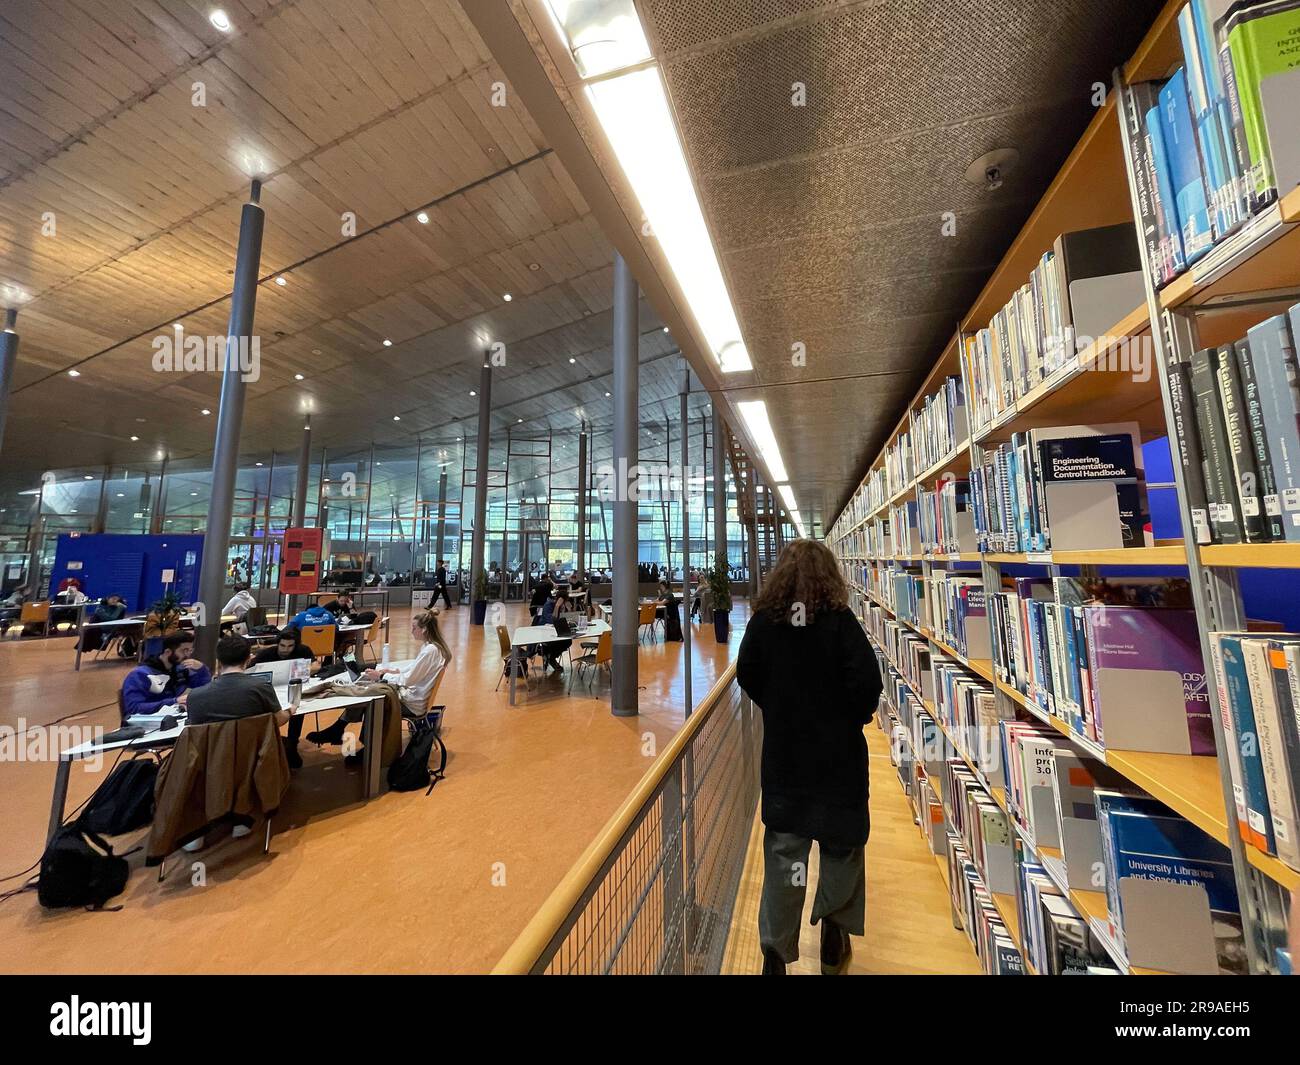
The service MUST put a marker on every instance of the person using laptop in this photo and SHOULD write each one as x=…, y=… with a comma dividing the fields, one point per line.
x=288, y=647
x=240, y=603
x=415, y=678
x=552, y=609
x=234, y=693
x=166, y=679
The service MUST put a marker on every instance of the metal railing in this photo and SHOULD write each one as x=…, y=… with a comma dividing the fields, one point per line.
x=654, y=892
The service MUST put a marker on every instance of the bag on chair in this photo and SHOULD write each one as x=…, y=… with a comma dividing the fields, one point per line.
x=411, y=771
x=124, y=802
x=79, y=869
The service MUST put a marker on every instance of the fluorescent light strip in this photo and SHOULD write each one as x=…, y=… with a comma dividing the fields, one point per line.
x=787, y=493
x=754, y=412
x=633, y=111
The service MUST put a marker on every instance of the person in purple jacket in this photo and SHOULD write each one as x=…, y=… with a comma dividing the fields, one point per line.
x=165, y=679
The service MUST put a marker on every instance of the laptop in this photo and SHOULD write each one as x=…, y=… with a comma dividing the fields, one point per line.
x=562, y=627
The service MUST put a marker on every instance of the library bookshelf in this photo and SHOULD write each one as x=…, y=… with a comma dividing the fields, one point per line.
x=1250, y=275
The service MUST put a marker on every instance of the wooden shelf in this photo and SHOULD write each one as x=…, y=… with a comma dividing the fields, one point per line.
x=1162, y=555
x=1264, y=556
x=1186, y=783
x=1273, y=869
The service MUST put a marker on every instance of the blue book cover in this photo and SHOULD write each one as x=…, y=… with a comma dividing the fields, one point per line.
x=1190, y=201
x=1259, y=823
x=1273, y=357
x=1172, y=236
x=1202, y=82
x=1174, y=850
x=1108, y=801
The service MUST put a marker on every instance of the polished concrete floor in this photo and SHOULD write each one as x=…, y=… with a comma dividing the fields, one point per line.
x=406, y=883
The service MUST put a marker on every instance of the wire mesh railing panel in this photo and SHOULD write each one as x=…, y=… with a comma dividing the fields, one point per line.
x=661, y=901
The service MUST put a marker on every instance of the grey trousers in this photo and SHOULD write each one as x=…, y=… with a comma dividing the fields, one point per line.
x=841, y=890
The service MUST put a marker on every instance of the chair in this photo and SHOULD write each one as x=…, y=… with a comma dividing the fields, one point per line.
x=36, y=614
x=255, y=615
x=319, y=639
x=509, y=660
x=432, y=716
x=603, y=655
x=646, y=618
x=369, y=637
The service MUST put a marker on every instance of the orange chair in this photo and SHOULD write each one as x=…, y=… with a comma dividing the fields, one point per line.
x=36, y=614
x=603, y=655
x=646, y=618
x=369, y=637
x=319, y=639
x=509, y=660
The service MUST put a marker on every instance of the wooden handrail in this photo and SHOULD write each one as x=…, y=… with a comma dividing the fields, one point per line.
x=547, y=921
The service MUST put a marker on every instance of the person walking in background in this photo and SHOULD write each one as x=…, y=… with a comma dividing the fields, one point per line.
x=440, y=583
x=807, y=664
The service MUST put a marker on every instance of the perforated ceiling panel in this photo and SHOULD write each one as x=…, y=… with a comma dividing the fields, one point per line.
x=827, y=209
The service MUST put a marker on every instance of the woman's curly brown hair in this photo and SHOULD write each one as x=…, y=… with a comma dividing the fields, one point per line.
x=806, y=573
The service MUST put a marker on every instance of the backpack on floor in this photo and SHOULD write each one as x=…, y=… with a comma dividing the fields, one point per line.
x=411, y=771
x=79, y=869
x=124, y=802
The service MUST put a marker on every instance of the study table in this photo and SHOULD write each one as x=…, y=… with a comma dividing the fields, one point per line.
x=161, y=739
x=528, y=635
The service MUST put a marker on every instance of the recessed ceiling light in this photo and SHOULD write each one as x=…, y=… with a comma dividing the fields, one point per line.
x=135, y=438
x=665, y=329
x=257, y=464
x=74, y=373
x=507, y=297
x=472, y=392
x=121, y=495
x=519, y=421
x=140, y=420
x=397, y=417
x=72, y=512
x=607, y=395
x=387, y=343
x=315, y=351
x=572, y=361
x=281, y=281
x=422, y=218
x=87, y=477
x=534, y=266
x=194, y=493
x=297, y=377
x=205, y=411
x=221, y=20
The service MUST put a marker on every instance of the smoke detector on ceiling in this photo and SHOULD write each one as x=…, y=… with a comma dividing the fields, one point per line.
x=992, y=168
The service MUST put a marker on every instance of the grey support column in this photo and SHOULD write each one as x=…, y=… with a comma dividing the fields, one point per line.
x=8, y=357
x=101, y=508
x=441, y=527
x=299, y=518
x=623, y=696
x=480, y=479
x=583, y=484
x=230, y=418
x=719, y=482
x=686, y=536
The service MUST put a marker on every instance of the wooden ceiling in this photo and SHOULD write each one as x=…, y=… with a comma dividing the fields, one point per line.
x=128, y=132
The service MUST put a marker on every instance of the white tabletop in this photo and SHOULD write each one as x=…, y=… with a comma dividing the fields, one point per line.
x=165, y=736
x=546, y=633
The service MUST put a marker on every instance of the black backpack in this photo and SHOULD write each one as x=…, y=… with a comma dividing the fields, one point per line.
x=124, y=802
x=411, y=771
x=79, y=869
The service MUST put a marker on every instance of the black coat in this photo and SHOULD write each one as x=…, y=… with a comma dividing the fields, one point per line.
x=817, y=685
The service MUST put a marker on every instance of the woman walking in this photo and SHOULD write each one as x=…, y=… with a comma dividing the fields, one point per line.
x=807, y=664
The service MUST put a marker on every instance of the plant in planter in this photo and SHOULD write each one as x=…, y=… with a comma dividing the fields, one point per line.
x=480, y=597
x=719, y=583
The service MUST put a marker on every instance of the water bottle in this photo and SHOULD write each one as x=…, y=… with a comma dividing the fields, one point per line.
x=383, y=659
x=295, y=693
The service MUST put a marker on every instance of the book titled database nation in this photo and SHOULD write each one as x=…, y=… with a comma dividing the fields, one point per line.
x=1148, y=679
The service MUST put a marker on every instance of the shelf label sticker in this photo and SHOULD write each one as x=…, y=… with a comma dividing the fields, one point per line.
x=1273, y=506
x=1250, y=506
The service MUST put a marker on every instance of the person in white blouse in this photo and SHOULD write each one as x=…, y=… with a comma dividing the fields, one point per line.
x=416, y=677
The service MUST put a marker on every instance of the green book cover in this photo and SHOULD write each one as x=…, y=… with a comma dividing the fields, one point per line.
x=1263, y=42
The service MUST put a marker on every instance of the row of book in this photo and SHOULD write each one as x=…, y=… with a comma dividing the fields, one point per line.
x=939, y=426
x=1216, y=143
x=1236, y=412
x=1258, y=680
x=1090, y=830
x=1083, y=286
x=958, y=614
x=1065, y=488
x=945, y=523
x=1117, y=661
x=1057, y=940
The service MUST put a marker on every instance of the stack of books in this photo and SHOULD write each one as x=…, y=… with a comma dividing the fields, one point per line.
x=1217, y=140
x=940, y=425
x=1066, y=488
x=968, y=709
x=1258, y=679
x=1237, y=428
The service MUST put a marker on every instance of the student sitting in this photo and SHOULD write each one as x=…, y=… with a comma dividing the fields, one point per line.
x=240, y=603
x=288, y=646
x=11, y=607
x=110, y=608
x=234, y=694
x=672, y=616
x=552, y=607
x=415, y=678
x=164, y=680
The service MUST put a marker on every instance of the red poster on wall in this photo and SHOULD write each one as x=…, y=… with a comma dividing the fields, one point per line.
x=300, y=561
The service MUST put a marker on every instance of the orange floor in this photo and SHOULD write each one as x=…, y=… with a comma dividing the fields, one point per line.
x=407, y=883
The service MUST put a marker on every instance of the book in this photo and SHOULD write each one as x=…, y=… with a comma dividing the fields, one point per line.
x=1091, y=485
x=1175, y=258
x=1241, y=449
x=1191, y=204
x=1097, y=282
x=1144, y=98
x=1279, y=784
x=1272, y=354
x=1236, y=686
x=1201, y=67
x=1219, y=489
x=1190, y=454
x=1272, y=505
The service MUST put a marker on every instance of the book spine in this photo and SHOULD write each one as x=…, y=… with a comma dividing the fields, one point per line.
x=1175, y=258
x=1272, y=758
x=1209, y=420
x=1241, y=450
x=1191, y=456
x=1230, y=741
x=1236, y=129
x=1274, y=361
x=1259, y=825
x=1144, y=178
x=1191, y=200
x=1269, y=498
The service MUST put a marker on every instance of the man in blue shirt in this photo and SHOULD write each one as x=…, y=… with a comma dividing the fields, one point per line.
x=164, y=680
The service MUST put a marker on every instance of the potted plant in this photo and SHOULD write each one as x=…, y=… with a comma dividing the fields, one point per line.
x=162, y=619
x=719, y=582
x=480, y=597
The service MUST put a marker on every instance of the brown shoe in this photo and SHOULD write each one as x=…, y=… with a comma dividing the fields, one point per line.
x=837, y=950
